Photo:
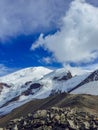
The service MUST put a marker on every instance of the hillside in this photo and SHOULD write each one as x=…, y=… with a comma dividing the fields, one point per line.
x=86, y=103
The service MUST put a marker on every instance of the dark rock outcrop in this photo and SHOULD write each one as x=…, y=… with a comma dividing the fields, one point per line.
x=3, y=85
x=35, y=86
x=29, y=82
x=65, y=77
x=31, y=88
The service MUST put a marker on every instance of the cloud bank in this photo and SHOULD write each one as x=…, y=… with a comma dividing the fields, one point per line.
x=30, y=16
x=77, y=40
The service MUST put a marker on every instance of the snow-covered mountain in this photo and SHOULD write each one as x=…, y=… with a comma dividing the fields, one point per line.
x=39, y=82
x=25, y=75
x=89, y=88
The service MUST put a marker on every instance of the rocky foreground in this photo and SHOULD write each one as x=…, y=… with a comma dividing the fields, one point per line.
x=55, y=119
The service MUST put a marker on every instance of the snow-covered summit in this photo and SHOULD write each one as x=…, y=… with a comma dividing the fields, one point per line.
x=24, y=75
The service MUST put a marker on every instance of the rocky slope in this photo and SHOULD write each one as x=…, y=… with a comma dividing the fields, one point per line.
x=55, y=119
x=80, y=103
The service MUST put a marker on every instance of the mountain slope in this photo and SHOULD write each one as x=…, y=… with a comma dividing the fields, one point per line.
x=15, y=82
x=92, y=77
x=24, y=90
x=89, y=88
x=87, y=103
x=29, y=84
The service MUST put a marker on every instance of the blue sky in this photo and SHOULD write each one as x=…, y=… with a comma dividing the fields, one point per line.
x=17, y=54
x=50, y=33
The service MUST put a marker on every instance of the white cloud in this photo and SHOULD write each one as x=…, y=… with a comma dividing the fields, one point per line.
x=4, y=70
x=47, y=60
x=77, y=40
x=30, y=16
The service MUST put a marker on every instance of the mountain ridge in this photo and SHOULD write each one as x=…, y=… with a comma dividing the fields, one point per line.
x=38, y=83
x=83, y=102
